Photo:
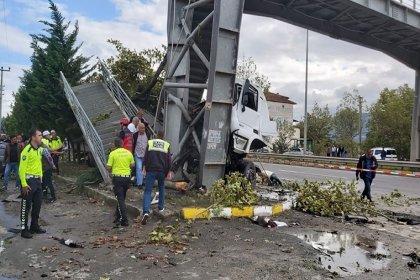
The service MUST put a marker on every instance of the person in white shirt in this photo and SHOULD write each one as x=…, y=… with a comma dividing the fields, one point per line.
x=268, y=177
x=133, y=125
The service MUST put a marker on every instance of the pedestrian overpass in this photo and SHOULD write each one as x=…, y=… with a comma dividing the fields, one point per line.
x=203, y=39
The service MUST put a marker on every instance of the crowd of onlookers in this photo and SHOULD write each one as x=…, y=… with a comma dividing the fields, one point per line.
x=334, y=151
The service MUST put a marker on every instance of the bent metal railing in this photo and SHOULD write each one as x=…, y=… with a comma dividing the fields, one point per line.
x=91, y=136
x=118, y=94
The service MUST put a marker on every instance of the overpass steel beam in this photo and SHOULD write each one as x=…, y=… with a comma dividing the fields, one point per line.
x=217, y=112
x=179, y=67
x=415, y=127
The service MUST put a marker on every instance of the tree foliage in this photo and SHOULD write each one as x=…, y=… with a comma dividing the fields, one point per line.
x=134, y=70
x=390, y=120
x=40, y=100
x=346, y=121
x=247, y=69
x=282, y=142
x=319, y=127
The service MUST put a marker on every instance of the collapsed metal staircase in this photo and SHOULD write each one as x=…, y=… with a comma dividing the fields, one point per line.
x=98, y=108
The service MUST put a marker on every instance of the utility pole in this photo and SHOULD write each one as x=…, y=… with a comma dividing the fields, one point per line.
x=1, y=94
x=360, y=123
x=305, y=129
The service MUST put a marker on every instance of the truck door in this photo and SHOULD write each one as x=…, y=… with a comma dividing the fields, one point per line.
x=247, y=109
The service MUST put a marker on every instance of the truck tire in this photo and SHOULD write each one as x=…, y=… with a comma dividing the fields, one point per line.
x=247, y=168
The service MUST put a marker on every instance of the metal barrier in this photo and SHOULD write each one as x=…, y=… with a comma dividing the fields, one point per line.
x=332, y=160
x=118, y=94
x=412, y=4
x=91, y=136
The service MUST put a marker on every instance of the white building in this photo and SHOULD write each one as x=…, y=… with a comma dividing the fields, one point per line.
x=280, y=108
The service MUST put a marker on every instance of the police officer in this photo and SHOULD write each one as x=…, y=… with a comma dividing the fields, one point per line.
x=157, y=165
x=30, y=174
x=120, y=162
x=56, y=147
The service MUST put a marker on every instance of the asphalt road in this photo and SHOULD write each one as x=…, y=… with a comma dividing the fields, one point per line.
x=382, y=184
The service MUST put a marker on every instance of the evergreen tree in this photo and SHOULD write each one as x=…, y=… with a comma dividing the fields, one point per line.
x=40, y=101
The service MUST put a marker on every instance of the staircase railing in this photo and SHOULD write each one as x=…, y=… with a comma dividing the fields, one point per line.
x=91, y=136
x=120, y=97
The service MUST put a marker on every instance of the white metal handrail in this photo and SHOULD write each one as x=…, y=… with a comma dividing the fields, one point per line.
x=118, y=94
x=412, y=4
x=89, y=131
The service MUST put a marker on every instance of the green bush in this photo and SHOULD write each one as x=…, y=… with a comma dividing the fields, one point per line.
x=233, y=191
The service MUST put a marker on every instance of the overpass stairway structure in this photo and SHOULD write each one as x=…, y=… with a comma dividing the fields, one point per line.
x=98, y=108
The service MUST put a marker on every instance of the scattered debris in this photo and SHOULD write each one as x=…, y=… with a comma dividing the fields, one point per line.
x=67, y=242
x=415, y=260
x=267, y=222
x=356, y=219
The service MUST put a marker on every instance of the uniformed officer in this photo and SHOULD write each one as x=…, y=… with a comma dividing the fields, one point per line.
x=56, y=147
x=120, y=162
x=157, y=165
x=30, y=174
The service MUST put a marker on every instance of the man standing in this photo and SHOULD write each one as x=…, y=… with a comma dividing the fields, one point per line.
x=11, y=159
x=30, y=173
x=157, y=165
x=56, y=147
x=366, y=168
x=120, y=163
x=139, y=149
x=383, y=154
x=46, y=139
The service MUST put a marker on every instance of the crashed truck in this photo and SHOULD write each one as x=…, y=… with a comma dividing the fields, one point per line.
x=250, y=129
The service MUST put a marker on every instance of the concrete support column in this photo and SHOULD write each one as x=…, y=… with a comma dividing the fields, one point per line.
x=415, y=127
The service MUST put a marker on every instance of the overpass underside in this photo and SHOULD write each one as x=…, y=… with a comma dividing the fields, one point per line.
x=203, y=38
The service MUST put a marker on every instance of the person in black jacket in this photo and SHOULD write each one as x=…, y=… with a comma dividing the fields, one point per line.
x=366, y=168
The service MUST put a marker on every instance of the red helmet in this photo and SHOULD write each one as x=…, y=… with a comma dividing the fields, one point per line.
x=124, y=121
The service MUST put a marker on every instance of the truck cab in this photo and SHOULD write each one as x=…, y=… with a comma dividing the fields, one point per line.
x=250, y=122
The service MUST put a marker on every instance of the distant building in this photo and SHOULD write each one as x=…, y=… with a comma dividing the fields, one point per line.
x=280, y=108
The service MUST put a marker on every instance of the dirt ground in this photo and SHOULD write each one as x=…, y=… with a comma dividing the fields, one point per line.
x=204, y=249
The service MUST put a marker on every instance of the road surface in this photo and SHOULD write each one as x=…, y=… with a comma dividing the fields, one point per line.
x=382, y=184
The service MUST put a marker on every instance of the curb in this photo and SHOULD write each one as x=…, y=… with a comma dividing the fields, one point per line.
x=236, y=212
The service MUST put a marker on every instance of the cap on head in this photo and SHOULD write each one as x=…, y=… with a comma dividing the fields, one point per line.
x=124, y=121
x=45, y=133
x=53, y=131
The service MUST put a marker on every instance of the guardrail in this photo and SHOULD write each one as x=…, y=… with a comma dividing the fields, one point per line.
x=89, y=131
x=120, y=97
x=272, y=157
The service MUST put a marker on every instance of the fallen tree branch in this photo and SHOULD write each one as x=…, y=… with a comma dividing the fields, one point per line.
x=381, y=214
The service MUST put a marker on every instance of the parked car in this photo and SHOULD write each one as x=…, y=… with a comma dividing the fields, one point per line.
x=297, y=151
x=391, y=153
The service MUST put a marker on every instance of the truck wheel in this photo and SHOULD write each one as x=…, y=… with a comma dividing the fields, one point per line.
x=247, y=168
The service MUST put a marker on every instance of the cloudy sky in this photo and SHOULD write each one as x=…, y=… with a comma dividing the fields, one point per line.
x=278, y=48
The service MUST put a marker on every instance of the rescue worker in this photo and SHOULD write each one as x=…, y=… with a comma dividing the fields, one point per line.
x=126, y=135
x=120, y=162
x=30, y=173
x=46, y=138
x=156, y=166
x=366, y=168
x=56, y=148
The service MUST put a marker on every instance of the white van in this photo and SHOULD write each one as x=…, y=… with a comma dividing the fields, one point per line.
x=391, y=153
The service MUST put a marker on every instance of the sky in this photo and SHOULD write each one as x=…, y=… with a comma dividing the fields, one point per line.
x=277, y=48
